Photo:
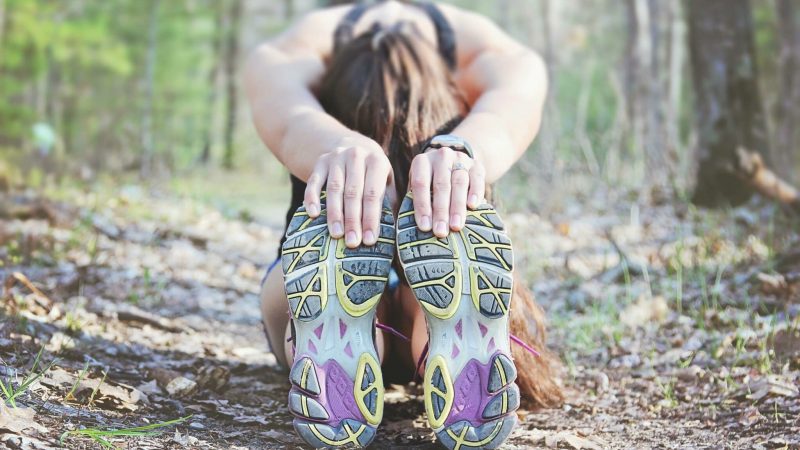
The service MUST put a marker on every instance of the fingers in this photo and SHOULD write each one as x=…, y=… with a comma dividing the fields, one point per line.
x=335, y=188
x=314, y=187
x=459, y=182
x=420, y=183
x=441, y=192
x=353, y=192
x=477, y=186
x=374, y=187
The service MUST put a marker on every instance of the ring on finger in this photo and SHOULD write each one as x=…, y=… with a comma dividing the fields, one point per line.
x=458, y=166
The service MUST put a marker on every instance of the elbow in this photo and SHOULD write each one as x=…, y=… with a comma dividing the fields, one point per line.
x=256, y=63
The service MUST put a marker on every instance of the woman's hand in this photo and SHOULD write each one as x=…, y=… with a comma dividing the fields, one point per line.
x=356, y=178
x=457, y=180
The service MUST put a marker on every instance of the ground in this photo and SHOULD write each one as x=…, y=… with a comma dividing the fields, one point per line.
x=678, y=327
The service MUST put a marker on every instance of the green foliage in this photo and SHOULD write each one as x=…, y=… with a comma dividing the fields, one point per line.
x=80, y=66
x=101, y=436
x=11, y=393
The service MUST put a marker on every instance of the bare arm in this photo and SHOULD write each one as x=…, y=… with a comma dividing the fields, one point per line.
x=314, y=146
x=506, y=85
x=278, y=80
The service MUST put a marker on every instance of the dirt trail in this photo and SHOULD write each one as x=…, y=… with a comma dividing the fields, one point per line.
x=678, y=329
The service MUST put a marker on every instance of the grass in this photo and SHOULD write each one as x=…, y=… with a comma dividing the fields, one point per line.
x=11, y=393
x=102, y=436
x=77, y=382
x=668, y=392
x=97, y=388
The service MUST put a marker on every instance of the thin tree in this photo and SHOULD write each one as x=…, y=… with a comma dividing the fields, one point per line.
x=729, y=114
x=213, y=76
x=787, y=114
x=2, y=23
x=148, y=133
x=288, y=9
x=231, y=76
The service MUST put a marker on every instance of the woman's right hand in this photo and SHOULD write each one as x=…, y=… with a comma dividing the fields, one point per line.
x=356, y=177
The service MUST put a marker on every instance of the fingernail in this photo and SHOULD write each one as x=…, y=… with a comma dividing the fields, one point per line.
x=351, y=239
x=473, y=200
x=313, y=210
x=369, y=237
x=337, y=229
x=441, y=228
x=425, y=223
x=455, y=221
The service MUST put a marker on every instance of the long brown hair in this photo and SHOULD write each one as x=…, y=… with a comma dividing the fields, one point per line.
x=395, y=88
x=392, y=86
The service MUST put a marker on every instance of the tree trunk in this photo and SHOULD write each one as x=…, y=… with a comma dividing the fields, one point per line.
x=288, y=9
x=644, y=86
x=787, y=114
x=231, y=75
x=213, y=76
x=729, y=114
x=675, y=77
x=148, y=134
x=2, y=25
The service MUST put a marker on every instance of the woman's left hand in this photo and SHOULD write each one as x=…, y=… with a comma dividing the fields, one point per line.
x=458, y=182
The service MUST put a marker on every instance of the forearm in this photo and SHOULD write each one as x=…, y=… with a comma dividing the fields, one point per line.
x=496, y=141
x=310, y=134
x=506, y=115
x=288, y=117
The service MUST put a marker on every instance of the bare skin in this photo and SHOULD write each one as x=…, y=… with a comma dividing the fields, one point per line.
x=503, y=82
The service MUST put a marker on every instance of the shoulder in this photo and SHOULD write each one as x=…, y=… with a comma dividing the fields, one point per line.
x=313, y=31
x=476, y=32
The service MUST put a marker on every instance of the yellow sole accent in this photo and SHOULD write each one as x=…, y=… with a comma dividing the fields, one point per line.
x=475, y=274
x=467, y=235
x=437, y=362
x=352, y=437
x=365, y=361
x=309, y=247
x=355, y=309
x=304, y=376
x=460, y=441
x=447, y=312
x=322, y=277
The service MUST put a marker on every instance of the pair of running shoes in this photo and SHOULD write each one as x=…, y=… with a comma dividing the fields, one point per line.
x=463, y=284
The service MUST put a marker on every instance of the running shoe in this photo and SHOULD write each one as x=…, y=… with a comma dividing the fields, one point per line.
x=463, y=283
x=333, y=292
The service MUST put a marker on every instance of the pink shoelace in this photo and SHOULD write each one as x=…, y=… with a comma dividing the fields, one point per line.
x=514, y=339
x=424, y=354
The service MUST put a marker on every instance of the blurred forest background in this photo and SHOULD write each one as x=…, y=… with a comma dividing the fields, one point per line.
x=151, y=88
x=139, y=210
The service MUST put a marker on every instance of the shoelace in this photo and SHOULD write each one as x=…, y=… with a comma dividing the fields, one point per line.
x=514, y=339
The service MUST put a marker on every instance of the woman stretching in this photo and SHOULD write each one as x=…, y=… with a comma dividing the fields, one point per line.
x=392, y=120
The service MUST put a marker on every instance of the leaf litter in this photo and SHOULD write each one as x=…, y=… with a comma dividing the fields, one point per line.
x=674, y=327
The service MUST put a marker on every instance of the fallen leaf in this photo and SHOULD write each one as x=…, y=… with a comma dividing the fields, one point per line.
x=644, y=311
x=16, y=420
x=174, y=383
x=110, y=395
x=770, y=385
x=214, y=378
x=750, y=416
x=571, y=440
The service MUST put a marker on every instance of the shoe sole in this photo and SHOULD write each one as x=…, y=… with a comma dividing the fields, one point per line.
x=333, y=292
x=463, y=283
